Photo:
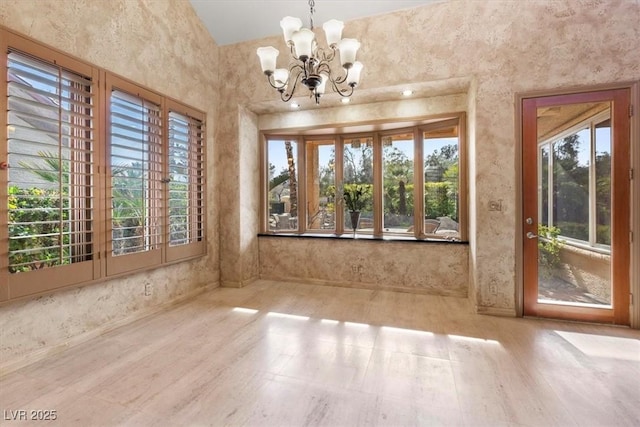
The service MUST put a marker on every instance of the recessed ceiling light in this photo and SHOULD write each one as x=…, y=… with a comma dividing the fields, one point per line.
x=345, y=100
x=407, y=92
x=295, y=105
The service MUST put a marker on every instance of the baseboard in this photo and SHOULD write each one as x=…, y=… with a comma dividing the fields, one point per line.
x=7, y=367
x=238, y=284
x=496, y=311
x=369, y=286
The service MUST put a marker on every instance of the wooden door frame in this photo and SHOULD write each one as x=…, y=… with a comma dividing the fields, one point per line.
x=633, y=314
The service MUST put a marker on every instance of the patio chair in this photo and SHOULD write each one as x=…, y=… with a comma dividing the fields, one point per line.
x=431, y=225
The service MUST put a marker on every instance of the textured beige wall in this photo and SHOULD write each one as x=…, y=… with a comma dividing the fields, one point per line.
x=434, y=268
x=163, y=46
x=239, y=173
x=503, y=48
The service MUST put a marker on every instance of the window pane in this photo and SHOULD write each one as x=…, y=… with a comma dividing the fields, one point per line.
x=603, y=182
x=544, y=185
x=358, y=183
x=185, y=174
x=282, y=158
x=579, y=192
x=398, y=183
x=321, y=186
x=571, y=184
x=135, y=174
x=441, y=186
x=50, y=149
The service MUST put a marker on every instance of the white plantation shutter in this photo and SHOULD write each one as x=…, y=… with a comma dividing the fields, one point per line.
x=186, y=186
x=50, y=146
x=135, y=175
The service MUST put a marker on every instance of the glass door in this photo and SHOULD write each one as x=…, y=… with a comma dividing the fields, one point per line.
x=576, y=206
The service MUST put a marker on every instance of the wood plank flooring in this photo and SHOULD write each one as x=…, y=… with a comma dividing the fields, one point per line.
x=286, y=354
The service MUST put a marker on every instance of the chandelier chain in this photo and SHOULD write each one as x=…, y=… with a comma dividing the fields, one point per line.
x=312, y=9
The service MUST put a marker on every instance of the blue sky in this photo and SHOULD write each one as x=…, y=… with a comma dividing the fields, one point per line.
x=277, y=155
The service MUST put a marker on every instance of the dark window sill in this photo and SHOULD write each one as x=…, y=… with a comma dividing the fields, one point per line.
x=364, y=237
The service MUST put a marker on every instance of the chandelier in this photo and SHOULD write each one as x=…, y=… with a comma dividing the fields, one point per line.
x=312, y=65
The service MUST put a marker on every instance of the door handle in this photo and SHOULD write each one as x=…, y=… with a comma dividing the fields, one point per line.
x=530, y=235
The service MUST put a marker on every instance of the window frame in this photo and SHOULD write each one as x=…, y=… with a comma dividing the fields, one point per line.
x=147, y=258
x=197, y=246
x=418, y=127
x=307, y=141
x=23, y=284
x=15, y=286
x=589, y=124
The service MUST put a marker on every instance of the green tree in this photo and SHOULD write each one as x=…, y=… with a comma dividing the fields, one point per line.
x=358, y=165
x=398, y=171
x=570, y=192
x=441, y=182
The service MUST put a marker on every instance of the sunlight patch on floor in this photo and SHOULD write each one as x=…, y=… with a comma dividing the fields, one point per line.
x=473, y=339
x=286, y=316
x=604, y=346
x=407, y=331
x=245, y=310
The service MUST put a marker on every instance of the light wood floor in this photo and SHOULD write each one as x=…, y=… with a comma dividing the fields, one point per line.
x=276, y=354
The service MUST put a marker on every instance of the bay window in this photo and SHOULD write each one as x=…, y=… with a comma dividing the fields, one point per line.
x=407, y=180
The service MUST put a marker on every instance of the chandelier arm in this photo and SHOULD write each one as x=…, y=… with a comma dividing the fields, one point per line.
x=323, y=66
x=301, y=70
x=292, y=67
x=271, y=81
x=342, y=79
x=343, y=92
x=346, y=93
x=292, y=50
x=321, y=54
x=287, y=96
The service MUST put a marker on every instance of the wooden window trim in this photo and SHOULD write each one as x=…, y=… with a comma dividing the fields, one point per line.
x=197, y=190
x=309, y=140
x=39, y=282
x=155, y=254
x=22, y=284
x=430, y=123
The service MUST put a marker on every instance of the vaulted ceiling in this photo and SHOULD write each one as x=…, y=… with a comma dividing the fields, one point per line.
x=233, y=21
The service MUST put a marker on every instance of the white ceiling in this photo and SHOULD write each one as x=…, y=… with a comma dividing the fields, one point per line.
x=233, y=21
